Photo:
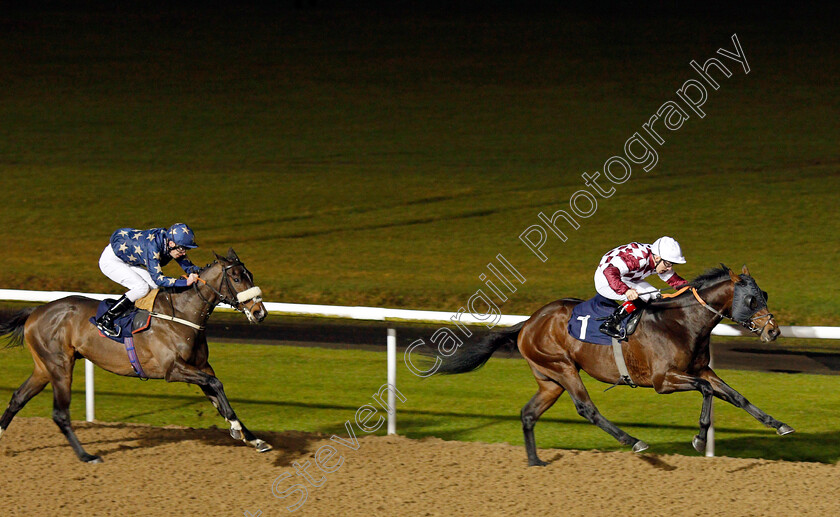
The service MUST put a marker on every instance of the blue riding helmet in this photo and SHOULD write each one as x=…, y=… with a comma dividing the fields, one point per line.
x=182, y=235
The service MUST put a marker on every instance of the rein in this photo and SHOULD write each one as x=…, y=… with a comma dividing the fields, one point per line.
x=748, y=324
x=254, y=293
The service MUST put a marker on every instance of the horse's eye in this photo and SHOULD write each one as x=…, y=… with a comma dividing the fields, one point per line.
x=236, y=280
x=752, y=302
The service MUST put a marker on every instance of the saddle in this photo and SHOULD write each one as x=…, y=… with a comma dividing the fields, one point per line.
x=130, y=323
x=582, y=323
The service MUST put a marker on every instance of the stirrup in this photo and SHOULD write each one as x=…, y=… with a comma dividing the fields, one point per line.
x=108, y=331
x=618, y=333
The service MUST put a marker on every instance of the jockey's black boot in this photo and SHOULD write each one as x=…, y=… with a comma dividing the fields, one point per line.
x=106, y=322
x=612, y=327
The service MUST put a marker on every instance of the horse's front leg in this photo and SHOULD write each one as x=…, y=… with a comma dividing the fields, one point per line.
x=724, y=392
x=214, y=390
x=673, y=381
x=240, y=433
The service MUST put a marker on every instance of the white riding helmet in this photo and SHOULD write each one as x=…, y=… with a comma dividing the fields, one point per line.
x=668, y=249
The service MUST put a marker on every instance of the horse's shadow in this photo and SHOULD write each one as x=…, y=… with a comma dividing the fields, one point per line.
x=287, y=445
x=821, y=447
x=815, y=447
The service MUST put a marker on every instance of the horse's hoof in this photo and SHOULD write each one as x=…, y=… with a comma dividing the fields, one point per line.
x=537, y=463
x=261, y=446
x=90, y=458
x=640, y=446
x=699, y=445
x=784, y=429
x=236, y=434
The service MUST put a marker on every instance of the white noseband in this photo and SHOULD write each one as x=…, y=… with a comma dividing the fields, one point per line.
x=254, y=293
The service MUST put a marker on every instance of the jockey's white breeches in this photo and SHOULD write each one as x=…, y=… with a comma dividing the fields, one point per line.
x=604, y=289
x=137, y=279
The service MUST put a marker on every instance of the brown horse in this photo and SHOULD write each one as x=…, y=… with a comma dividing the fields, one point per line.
x=669, y=352
x=59, y=332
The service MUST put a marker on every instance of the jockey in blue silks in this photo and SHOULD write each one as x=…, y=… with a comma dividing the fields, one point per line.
x=135, y=258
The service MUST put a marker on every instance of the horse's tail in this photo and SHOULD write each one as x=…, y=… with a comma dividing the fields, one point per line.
x=469, y=357
x=12, y=325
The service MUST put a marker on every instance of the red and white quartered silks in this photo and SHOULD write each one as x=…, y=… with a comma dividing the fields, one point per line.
x=625, y=267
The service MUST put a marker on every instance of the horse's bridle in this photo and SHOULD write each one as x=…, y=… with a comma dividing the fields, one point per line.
x=239, y=302
x=747, y=324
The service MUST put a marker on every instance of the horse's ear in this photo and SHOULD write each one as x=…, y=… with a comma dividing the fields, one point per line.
x=745, y=271
x=218, y=257
x=725, y=268
x=231, y=256
x=735, y=278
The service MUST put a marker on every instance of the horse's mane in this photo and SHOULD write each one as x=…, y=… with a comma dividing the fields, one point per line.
x=708, y=278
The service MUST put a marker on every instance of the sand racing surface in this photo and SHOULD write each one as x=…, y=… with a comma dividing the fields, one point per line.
x=177, y=471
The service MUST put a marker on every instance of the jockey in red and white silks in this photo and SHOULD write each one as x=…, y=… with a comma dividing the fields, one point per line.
x=621, y=273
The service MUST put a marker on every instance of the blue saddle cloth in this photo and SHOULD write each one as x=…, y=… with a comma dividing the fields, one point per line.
x=129, y=323
x=583, y=324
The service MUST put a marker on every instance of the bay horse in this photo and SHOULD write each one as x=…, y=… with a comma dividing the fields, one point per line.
x=669, y=352
x=59, y=332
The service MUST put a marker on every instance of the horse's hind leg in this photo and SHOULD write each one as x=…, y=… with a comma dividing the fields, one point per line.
x=724, y=392
x=53, y=364
x=212, y=387
x=569, y=378
x=30, y=387
x=545, y=397
x=62, y=378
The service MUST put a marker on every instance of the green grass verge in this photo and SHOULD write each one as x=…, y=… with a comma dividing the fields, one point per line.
x=312, y=389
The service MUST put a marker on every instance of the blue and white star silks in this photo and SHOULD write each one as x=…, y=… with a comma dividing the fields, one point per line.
x=149, y=249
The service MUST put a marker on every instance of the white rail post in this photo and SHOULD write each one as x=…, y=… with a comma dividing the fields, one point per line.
x=88, y=390
x=392, y=380
x=710, y=437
